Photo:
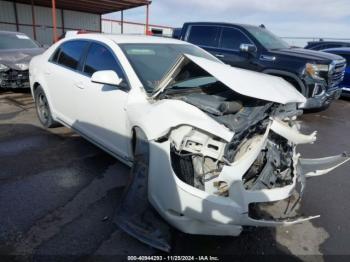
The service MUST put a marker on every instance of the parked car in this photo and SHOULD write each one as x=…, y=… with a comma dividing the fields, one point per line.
x=16, y=50
x=345, y=53
x=315, y=74
x=321, y=44
x=208, y=143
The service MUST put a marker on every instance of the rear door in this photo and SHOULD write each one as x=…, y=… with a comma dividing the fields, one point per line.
x=102, y=115
x=230, y=42
x=205, y=36
x=61, y=74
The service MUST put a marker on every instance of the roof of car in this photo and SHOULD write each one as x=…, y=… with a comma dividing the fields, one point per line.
x=131, y=39
x=337, y=49
x=223, y=24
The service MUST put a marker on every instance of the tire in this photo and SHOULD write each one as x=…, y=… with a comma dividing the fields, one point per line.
x=43, y=109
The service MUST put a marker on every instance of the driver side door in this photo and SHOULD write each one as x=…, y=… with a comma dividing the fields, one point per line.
x=102, y=108
x=230, y=53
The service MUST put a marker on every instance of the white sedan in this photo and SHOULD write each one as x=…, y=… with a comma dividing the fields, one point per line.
x=208, y=143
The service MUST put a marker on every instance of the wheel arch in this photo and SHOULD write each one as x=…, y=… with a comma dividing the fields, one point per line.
x=35, y=87
x=136, y=132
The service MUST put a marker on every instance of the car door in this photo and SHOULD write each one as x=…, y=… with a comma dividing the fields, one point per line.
x=102, y=108
x=61, y=77
x=230, y=53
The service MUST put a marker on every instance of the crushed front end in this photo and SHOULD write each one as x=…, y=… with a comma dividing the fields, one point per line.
x=12, y=78
x=211, y=185
x=224, y=145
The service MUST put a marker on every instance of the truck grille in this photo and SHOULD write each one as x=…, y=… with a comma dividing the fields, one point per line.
x=337, y=74
x=14, y=79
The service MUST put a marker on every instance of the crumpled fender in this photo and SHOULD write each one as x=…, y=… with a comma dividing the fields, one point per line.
x=157, y=119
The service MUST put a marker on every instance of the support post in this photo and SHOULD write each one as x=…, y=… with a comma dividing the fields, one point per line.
x=54, y=21
x=122, y=22
x=62, y=19
x=147, y=20
x=33, y=19
x=100, y=23
x=16, y=15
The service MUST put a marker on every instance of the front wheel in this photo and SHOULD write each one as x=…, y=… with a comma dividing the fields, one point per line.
x=43, y=109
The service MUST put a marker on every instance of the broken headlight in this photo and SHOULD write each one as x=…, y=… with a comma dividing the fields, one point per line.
x=196, y=156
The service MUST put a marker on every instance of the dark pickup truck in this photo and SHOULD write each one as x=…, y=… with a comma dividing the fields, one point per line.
x=315, y=74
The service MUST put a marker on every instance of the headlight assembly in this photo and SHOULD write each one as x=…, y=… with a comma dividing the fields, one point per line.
x=3, y=68
x=316, y=70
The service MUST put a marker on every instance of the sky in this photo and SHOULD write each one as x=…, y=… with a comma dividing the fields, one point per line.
x=286, y=18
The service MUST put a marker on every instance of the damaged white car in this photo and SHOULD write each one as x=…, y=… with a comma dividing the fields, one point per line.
x=207, y=142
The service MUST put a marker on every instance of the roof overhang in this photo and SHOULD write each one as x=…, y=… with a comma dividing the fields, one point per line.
x=90, y=6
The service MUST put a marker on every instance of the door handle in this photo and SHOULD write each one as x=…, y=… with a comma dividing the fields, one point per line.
x=219, y=55
x=79, y=85
x=47, y=72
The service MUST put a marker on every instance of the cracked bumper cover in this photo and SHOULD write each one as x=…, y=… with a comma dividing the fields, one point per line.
x=198, y=212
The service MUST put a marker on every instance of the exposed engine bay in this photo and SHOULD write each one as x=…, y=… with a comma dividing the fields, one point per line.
x=198, y=158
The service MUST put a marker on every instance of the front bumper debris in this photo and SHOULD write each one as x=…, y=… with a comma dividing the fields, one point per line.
x=196, y=211
x=201, y=212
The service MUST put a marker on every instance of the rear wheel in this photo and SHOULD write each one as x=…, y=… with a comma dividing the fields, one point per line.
x=43, y=109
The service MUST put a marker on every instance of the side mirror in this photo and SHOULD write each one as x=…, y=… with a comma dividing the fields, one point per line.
x=248, y=48
x=107, y=77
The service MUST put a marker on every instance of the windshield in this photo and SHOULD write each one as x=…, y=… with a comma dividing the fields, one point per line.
x=267, y=39
x=151, y=62
x=16, y=41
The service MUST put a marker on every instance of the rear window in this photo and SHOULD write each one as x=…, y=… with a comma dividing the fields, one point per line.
x=16, y=41
x=71, y=53
x=204, y=35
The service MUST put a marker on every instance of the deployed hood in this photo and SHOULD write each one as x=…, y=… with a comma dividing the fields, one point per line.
x=244, y=82
x=18, y=59
x=307, y=54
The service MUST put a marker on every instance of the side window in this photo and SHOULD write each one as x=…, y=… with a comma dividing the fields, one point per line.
x=100, y=58
x=204, y=35
x=54, y=57
x=232, y=39
x=71, y=53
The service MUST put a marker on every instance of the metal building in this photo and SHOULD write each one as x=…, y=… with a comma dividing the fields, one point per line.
x=46, y=20
x=111, y=26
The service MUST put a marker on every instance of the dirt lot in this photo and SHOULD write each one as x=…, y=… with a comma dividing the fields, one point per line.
x=58, y=194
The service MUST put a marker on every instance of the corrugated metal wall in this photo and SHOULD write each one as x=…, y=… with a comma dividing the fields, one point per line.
x=80, y=20
x=7, y=15
x=43, y=19
x=114, y=27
